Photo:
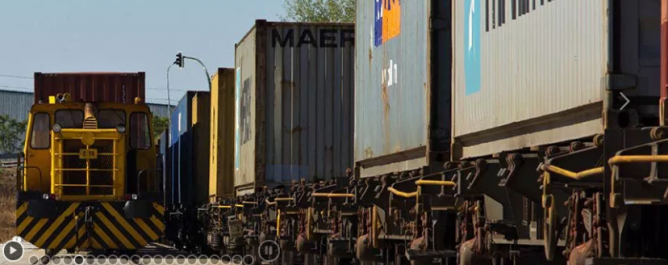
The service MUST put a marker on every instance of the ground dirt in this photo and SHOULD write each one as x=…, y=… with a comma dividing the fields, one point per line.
x=7, y=204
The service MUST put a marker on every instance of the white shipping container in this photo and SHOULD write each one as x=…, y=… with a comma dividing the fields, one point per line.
x=529, y=73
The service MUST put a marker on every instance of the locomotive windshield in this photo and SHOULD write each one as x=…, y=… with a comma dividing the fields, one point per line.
x=70, y=118
x=110, y=118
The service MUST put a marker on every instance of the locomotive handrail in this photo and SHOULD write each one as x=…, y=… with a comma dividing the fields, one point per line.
x=249, y=202
x=571, y=174
x=637, y=159
x=435, y=183
x=401, y=193
x=283, y=199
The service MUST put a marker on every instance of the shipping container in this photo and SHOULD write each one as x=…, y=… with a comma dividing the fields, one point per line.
x=527, y=75
x=402, y=86
x=97, y=87
x=164, y=159
x=294, y=103
x=189, y=150
x=221, y=167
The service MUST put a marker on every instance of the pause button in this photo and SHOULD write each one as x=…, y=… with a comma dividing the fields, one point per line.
x=269, y=251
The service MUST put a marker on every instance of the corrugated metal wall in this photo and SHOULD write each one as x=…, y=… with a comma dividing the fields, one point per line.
x=181, y=148
x=101, y=87
x=201, y=131
x=15, y=104
x=528, y=76
x=514, y=66
x=159, y=110
x=245, y=105
x=221, y=171
x=392, y=77
x=189, y=149
x=307, y=106
x=398, y=96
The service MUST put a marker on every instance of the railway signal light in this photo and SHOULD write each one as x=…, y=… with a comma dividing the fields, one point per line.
x=179, y=60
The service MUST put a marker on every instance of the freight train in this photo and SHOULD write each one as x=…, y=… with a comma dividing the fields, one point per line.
x=484, y=132
x=451, y=132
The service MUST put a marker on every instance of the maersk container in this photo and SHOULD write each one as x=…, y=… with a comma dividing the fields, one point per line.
x=189, y=150
x=294, y=103
x=533, y=73
x=402, y=87
x=221, y=166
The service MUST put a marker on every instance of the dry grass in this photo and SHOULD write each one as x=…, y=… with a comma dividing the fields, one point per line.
x=7, y=204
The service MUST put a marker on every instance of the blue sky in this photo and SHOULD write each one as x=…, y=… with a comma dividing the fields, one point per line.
x=125, y=36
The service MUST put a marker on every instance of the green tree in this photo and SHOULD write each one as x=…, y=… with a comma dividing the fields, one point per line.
x=320, y=10
x=160, y=124
x=11, y=134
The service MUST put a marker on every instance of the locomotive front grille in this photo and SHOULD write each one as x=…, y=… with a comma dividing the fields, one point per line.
x=88, y=171
x=94, y=172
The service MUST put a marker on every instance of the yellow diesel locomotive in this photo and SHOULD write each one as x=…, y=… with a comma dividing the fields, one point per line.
x=87, y=177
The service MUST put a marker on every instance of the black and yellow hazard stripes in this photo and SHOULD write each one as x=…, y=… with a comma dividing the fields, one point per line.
x=90, y=225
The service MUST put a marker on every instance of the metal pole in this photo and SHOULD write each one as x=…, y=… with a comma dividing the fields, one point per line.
x=169, y=100
x=169, y=140
x=208, y=77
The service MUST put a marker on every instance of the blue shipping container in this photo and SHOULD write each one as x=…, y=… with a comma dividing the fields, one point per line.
x=189, y=145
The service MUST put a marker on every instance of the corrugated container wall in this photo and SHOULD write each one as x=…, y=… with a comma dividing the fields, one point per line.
x=541, y=72
x=99, y=87
x=221, y=167
x=294, y=93
x=402, y=87
x=189, y=150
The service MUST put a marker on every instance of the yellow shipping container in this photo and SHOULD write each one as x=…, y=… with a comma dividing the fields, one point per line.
x=221, y=168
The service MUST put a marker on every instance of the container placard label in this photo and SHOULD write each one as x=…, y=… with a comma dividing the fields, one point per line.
x=472, y=45
x=387, y=14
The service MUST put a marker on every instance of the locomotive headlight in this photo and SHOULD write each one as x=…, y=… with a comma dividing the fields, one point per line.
x=134, y=197
x=46, y=196
x=120, y=128
x=57, y=128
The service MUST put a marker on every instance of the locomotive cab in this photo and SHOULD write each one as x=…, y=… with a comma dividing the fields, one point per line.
x=88, y=177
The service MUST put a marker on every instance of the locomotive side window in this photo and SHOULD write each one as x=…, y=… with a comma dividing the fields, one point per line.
x=40, y=138
x=70, y=118
x=110, y=118
x=140, y=135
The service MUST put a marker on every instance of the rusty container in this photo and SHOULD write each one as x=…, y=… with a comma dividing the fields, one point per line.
x=294, y=103
x=403, y=77
x=91, y=87
x=535, y=73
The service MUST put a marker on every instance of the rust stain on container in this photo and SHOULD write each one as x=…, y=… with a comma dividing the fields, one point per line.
x=386, y=114
x=98, y=87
